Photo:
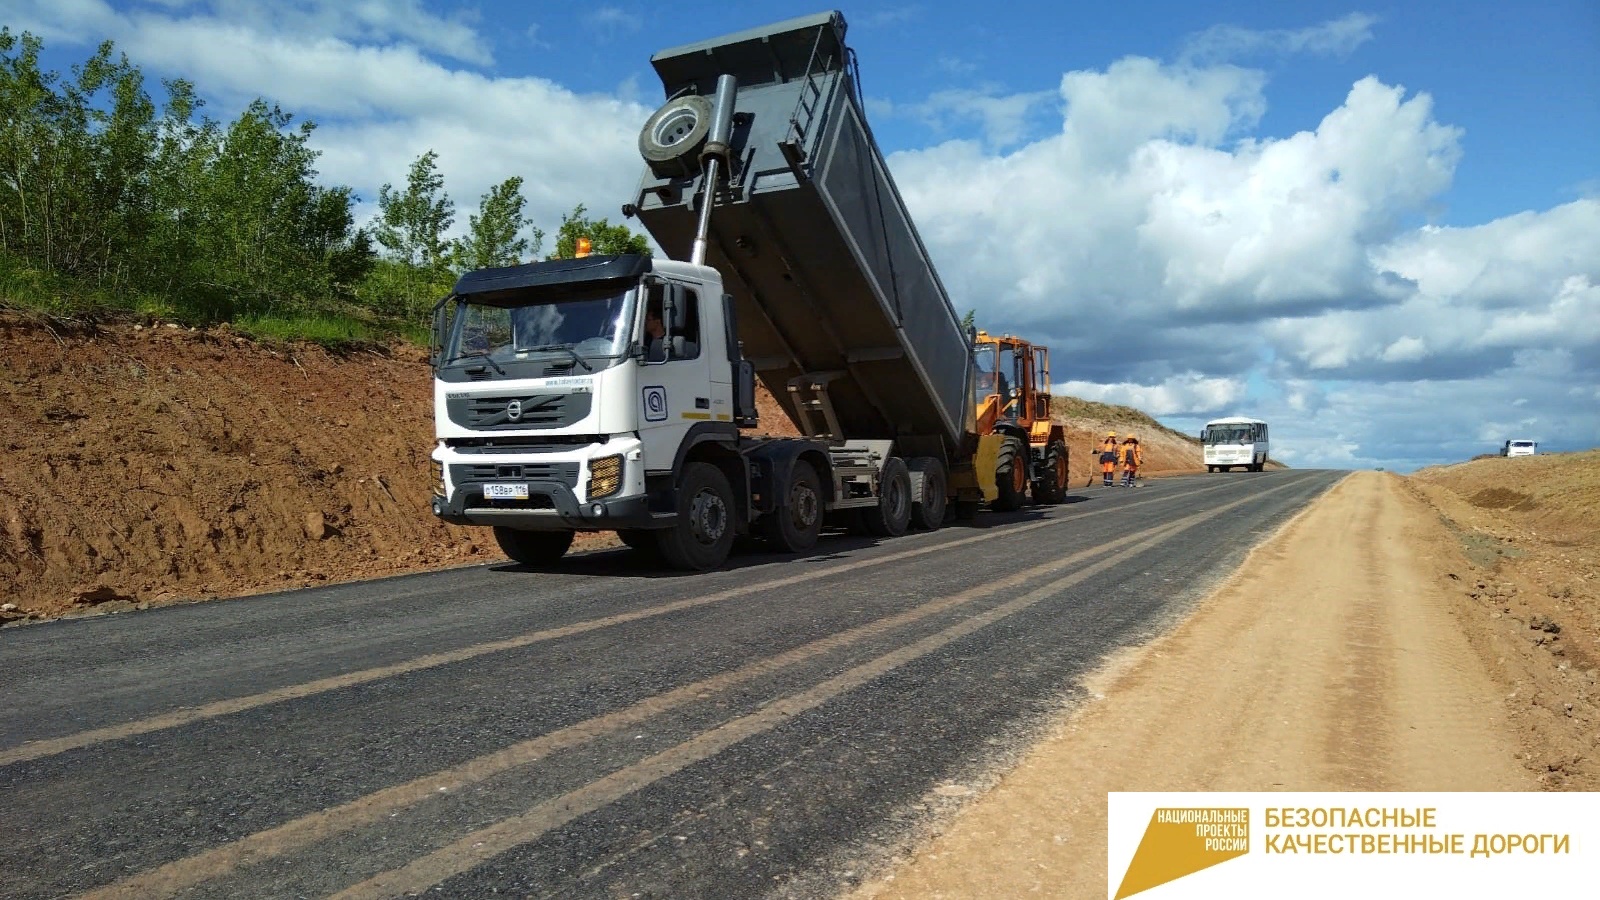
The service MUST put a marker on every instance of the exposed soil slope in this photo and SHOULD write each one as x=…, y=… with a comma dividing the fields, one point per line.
x=149, y=465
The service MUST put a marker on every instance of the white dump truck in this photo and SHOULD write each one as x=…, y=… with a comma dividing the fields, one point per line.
x=617, y=392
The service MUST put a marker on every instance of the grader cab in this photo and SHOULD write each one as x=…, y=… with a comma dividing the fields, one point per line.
x=1012, y=399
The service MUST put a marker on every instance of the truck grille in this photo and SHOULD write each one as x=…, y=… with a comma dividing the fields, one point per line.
x=465, y=474
x=507, y=413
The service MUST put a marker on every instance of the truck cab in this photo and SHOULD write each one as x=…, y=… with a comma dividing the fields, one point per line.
x=562, y=387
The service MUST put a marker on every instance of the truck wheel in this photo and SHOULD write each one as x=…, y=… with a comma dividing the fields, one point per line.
x=1011, y=476
x=641, y=541
x=532, y=548
x=794, y=526
x=929, y=512
x=1051, y=488
x=673, y=135
x=892, y=515
x=702, y=537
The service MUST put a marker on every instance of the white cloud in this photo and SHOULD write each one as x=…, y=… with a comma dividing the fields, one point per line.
x=1161, y=246
x=885, y=17
x=1406, y=349
x=1187, y=394
x=1002, y=117
x=610, y=21
x=955, y=65
x=1335, y=37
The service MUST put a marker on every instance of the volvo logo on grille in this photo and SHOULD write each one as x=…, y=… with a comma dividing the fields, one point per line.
x=514, y=410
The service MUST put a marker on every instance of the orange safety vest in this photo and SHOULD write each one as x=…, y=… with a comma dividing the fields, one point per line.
x=1131, y=456
x=1108, y=446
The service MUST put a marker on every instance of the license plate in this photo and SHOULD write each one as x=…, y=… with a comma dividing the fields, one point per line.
x=504, y=491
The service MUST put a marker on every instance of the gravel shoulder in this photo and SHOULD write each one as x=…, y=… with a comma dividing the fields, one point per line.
x=1342, y=655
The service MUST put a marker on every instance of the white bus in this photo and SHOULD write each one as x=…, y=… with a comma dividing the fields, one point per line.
x=1235, y=441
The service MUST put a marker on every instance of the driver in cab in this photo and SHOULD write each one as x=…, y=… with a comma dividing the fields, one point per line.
x=655, y=332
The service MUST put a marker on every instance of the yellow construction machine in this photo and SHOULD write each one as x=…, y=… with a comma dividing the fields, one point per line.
x=1012, y=388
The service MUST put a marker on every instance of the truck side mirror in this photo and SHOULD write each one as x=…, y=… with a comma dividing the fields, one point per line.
x=442, y=319
x=674, y=310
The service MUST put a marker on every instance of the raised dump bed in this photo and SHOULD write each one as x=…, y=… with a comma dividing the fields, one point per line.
x=830, y=279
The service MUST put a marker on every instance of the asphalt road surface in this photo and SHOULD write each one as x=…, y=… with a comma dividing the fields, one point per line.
x=604, y=730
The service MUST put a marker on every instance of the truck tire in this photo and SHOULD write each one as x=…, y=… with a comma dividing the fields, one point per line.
x=1011, y=476
x=702, y=537
x=532, y=548
x=673, y=135
x=795, y=525
x=1051, y=488
x=892, y=515
x=928, y=513
x=641, y=541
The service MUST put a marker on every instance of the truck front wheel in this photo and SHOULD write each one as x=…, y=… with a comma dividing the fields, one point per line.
x=702, y=537
x=794, y=526
x=641, y=541
x=532, y=548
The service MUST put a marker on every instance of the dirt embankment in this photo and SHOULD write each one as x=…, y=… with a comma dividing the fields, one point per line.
x=1428, y=633
x=153, y=465
x=1529, y=532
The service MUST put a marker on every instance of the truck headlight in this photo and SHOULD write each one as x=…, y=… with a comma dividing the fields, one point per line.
x=436, y=470
x=605, y=476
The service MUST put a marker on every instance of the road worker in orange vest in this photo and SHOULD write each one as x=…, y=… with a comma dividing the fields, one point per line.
x=1132, y=458
x=1108, y=458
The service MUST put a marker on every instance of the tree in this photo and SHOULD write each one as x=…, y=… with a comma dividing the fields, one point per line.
x=970, y=320
x=352, y=261
x=102, y=186
x=266, y=227
x=494, y=235
x=411, y=226
x=605, y=239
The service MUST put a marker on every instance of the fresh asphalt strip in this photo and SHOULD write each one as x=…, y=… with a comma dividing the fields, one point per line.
x=472, y=849
x=39, y=749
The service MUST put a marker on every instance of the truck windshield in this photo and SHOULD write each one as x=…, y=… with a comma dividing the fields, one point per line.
x=583, y=333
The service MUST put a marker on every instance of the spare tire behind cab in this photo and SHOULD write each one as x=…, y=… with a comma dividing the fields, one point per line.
x=671, y=138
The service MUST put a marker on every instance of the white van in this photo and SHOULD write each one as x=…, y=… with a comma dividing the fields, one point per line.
x=1520, y=448
x=1237, y=441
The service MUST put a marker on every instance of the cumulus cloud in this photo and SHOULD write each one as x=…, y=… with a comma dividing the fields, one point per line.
x=1337, y=37
x=1181, y=394
x=1004, y=119
x=610, y=21
x=1159, y=243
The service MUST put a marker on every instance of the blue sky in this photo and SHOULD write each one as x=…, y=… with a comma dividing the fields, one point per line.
x=1375, y=225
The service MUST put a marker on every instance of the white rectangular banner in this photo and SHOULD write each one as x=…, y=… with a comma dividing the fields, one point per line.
x=1171, y=846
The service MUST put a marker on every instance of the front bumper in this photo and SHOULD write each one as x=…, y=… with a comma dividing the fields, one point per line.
x=551, y=506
